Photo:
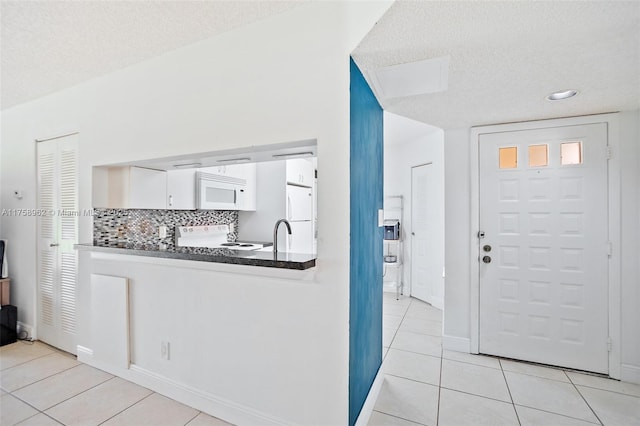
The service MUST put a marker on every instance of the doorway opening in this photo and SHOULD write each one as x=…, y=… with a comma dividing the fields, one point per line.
x=414, y=195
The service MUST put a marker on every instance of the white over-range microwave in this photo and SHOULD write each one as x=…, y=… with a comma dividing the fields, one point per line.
x=217, y=192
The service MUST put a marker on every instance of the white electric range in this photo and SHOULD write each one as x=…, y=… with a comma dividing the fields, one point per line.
x=211, y=236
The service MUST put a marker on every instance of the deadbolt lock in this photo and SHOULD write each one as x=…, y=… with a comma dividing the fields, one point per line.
x=486, y=259
x=487, y=248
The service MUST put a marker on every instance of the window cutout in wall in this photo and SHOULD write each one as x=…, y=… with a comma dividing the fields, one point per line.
x=571, y=153
x=509, y=157
x=538, y=156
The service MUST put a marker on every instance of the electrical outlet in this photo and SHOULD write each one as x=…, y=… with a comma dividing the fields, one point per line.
x=162, y=231
x=165, y=350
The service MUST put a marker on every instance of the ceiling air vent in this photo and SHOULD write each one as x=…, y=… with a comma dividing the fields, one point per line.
x=410, y=79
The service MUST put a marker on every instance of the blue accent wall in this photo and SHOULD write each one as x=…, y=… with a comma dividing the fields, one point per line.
x=365, y=303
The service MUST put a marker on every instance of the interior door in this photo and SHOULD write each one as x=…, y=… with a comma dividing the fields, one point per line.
x=420, y=262
x=57, y=224
x=544, y=246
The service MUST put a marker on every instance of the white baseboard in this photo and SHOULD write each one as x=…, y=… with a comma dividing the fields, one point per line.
x=224, y=409
x=630, y=373
x=31, y=331
x=438, y=302
x=458, y=344
x=84, y=354
x=370, y=402
x=218, y=407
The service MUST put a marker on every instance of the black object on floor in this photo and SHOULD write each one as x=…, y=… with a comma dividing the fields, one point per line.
x=8, y=324
x=1, y=257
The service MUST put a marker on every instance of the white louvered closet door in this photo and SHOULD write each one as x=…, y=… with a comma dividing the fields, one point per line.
x=57, y=233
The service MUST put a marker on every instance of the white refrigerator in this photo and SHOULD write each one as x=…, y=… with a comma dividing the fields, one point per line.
x=300, y=216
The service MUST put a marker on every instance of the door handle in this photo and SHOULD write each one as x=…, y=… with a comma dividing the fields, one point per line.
x=486, y=259
x=54, y=245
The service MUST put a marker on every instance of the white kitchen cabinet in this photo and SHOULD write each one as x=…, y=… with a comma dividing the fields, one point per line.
x=231, y=170
x=181, y=189
x=147, y=188
x=249, y=173
x=300, y=171
x=129, y=187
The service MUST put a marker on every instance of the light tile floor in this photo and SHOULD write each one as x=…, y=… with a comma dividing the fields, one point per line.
x=41, y=386
x=424, y=384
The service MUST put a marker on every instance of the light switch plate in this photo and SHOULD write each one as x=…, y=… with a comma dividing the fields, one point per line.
x=380, y=217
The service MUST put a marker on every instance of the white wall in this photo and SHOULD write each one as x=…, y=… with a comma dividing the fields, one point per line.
x=458, y=181
x=230, y=340
x=456, y=247
x=281, y=79
x=409, y=143
x=629, y=157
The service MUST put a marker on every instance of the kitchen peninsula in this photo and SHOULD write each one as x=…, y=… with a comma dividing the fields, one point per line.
x=282, y=260
x=181, y=288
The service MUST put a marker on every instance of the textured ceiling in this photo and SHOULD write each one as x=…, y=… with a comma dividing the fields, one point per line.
x=50, y=45
x=507, y=56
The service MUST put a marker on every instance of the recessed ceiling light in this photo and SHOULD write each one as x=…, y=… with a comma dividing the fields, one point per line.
x=565, y=94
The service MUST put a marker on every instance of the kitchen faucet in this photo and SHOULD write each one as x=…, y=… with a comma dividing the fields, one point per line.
x=275, y=232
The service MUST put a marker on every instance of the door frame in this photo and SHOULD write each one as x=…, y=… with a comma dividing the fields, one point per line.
x=614, y=210
x=62, y=133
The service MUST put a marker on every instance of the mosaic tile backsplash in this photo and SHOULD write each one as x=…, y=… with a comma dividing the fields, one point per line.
x=140, y=227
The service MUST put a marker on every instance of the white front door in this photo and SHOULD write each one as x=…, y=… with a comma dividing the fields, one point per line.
x=426, y=263
x=57, y=220
x=544, y=253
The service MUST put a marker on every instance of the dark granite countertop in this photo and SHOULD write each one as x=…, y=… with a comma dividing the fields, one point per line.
x=282, y=260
